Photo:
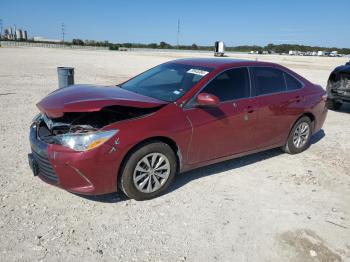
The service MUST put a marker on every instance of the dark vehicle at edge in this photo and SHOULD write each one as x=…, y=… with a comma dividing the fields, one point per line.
x=338, y=87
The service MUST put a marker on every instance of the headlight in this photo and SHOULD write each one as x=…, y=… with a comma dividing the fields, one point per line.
x=85, y=141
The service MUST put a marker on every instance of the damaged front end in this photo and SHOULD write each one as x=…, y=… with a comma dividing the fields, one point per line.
x=84, y=131
x=76, y=116
x=69, y=138
x=71, y=151
x=338, y=87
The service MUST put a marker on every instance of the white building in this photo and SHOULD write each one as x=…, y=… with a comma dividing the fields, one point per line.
x=43, y=39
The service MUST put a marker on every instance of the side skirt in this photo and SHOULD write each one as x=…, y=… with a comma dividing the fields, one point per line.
x=187, y=167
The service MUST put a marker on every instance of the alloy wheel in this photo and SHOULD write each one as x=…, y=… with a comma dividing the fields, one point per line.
x=151, y=172
x=301, y=135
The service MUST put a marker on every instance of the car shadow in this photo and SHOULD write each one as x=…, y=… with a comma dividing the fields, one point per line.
x=213, y=169
x=317, y=137
x=201, y=172
x=189, y=176
x=116, y=197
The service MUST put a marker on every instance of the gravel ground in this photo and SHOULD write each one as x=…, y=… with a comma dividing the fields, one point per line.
x=268, y=206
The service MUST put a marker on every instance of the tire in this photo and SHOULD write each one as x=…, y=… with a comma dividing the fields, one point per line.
x=140, y=172
x=333, y=104
x=292, y=146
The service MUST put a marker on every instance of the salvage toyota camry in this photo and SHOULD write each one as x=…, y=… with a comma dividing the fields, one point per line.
x=175, y=117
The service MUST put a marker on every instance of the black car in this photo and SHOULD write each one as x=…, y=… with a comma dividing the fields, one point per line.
x=338, y=87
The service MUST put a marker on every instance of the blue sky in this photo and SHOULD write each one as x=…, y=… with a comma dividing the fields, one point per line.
x=311, y=22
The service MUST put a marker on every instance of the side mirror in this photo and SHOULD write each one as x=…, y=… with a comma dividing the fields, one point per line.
x=205, y=99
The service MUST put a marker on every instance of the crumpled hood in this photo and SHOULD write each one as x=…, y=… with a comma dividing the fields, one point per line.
x=90, y=98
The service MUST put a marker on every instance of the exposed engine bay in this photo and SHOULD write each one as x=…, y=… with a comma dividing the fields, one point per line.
x=338, y=86
x=340, y=83
x=77, y=122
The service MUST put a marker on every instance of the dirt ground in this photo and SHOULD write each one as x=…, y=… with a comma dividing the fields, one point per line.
x=268, y=206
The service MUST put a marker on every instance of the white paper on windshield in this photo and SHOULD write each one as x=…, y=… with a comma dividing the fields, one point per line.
x=197, y=72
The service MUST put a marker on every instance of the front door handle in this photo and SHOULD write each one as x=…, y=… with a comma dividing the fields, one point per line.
x=250, y=109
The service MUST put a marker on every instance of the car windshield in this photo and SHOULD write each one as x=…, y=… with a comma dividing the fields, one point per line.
x=167, y=82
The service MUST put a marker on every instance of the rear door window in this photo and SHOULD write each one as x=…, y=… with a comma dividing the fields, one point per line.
x=268, y=80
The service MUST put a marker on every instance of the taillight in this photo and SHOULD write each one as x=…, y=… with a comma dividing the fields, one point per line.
x=324, y=97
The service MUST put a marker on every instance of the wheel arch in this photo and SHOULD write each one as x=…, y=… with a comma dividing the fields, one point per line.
x=310, y=115
x=332, y=79
x=170, y=142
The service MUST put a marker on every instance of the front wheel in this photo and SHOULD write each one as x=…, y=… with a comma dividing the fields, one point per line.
x=299, y=137
x=148, y=171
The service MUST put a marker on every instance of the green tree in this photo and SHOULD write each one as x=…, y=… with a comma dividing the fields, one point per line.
x=77, y=42
x=152, y=45
x=164, y=45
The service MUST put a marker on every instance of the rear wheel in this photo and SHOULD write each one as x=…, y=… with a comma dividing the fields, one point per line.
x=299, y=137
x=148, y=171
x=333, y=104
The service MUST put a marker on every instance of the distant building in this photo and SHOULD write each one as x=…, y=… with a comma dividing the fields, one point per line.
x=43, y=39
x=9, y=34
x=15, y=34
x=25, y=35
x=18, y=34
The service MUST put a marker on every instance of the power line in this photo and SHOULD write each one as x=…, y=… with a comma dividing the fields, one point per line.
x=0, y=28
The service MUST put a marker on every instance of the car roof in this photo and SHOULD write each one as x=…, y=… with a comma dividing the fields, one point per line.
x=220, y=62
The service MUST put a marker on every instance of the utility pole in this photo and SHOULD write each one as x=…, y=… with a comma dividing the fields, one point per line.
x=63, y=27
x=178, y=33
x=0, y=28
x=14, y=35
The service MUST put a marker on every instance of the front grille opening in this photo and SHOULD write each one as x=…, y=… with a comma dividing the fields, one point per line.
x=45, y=168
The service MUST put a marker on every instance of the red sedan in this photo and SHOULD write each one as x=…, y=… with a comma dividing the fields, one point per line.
x=175, y=117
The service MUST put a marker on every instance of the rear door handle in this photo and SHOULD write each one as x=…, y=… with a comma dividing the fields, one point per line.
x=296, y=99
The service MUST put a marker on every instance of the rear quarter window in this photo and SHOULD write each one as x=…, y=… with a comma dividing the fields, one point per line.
x=292, y=82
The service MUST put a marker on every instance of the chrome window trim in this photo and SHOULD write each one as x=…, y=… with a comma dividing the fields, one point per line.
x=188, y=105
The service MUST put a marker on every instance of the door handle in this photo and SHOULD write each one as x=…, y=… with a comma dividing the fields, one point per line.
x=296, y=99
x=250, y=109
